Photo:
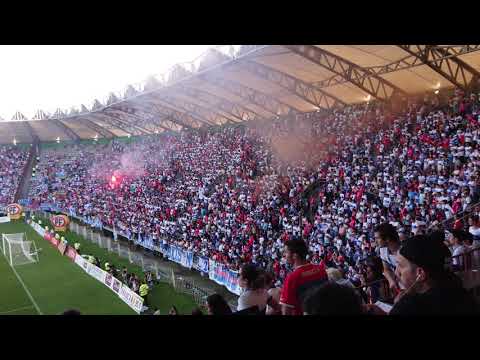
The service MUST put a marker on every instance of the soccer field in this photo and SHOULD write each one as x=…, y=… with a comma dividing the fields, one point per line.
x=56, y=284
x=52, y=285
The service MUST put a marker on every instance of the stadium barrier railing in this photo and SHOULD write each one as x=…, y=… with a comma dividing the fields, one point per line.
x=178, y=282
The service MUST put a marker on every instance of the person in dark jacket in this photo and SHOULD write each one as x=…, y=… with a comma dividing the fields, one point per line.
x=430, y=288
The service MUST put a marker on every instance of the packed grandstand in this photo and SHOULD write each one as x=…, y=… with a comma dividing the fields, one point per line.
x=371, y=198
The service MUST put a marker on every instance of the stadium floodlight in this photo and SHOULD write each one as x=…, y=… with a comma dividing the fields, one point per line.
x=14, y=141
x=18, y=250
x=58, y=140
x=437, y=91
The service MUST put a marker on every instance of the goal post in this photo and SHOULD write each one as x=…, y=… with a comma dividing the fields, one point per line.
x=18, y=250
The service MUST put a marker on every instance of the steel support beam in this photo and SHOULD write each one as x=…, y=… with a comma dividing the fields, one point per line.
x=31, y=131
x=173, y=115
x=453, y=69
x=260, y=99
x=108, y=121
x=362, y=78
x=117, y=117
x=235, y=110
x=70, y=133
x=202, y=107
x=145, y=119
x=315, y=96
x=407, y=62
x=95, y=127
x=182, y=108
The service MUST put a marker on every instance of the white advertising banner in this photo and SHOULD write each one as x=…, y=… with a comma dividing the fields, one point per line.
x=4, y=219
x=40, y=231
x=96, y=272
x=80, y=261
x=131, y=299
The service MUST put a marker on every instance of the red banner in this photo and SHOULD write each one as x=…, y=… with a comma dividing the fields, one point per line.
x=62, y=247
x=71, y=253
x=54, y=241
x=48, y=237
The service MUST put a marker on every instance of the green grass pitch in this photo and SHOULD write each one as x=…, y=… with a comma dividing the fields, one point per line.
x=55, y=283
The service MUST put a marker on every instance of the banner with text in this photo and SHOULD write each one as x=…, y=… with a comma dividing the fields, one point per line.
x=223, y=276
x=131, y=298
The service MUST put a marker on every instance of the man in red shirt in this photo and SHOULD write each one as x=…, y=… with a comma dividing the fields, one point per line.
x=304, y=277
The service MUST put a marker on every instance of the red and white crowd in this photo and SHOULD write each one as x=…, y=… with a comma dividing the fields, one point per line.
x=12, y=166
x=238, y=193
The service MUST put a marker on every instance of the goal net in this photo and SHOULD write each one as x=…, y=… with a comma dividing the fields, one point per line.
x=18, y=250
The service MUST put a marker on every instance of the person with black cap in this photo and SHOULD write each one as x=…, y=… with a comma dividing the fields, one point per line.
x=431, y=289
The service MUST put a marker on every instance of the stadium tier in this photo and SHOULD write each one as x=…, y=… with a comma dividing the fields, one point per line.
x=368, y=202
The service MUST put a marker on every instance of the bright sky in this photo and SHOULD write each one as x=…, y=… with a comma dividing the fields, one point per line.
x=48, y=77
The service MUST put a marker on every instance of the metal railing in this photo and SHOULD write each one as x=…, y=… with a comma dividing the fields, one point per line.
x=146, y=263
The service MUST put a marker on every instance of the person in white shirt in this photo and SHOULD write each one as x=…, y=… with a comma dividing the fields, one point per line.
x=474, y=228
x=388, y=241
x=456, y=239
x=252, y=281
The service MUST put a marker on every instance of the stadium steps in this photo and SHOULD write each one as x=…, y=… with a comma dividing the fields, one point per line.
x=23, y=187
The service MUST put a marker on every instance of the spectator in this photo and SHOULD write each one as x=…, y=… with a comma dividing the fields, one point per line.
x=388, y=242
x=304, y=276
x=474, y=229
x=173, y=311
x=457, y=248
x=333, y=299
x=197, y=311
x=216, y=305
x=335, y=275
x=12, y=165
x=373, y=282
x=72, y=312
x=252, y=280
x=431, y=289
x=143, y=290
x=273, y=301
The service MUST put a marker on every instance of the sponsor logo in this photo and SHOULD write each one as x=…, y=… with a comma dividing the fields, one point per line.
x=116, y=285
x=108, y=280
x=14, y=211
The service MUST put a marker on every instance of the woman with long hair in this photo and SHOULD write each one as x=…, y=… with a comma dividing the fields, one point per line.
x=216, y=305
x=252, y=280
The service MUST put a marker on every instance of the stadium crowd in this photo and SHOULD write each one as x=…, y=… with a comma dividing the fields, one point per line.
x=12, y=165
x=239, y=194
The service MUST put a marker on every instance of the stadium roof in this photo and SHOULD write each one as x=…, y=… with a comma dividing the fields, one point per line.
x=257, y=83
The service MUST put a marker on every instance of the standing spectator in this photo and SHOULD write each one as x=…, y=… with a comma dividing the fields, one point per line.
x=304, y=277
x=217, y=305
x=456, y=240
x=144, y=293
x=388, y=241
x=253, y=282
